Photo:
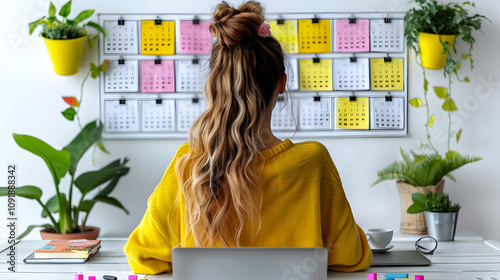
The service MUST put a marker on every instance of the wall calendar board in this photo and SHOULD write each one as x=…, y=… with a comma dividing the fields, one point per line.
x=347, y=74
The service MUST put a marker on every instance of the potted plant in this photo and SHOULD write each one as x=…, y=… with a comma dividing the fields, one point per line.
x=72, y=217
x=425, y=171
x=431, y=29
x=64, y=37
x=440, y=213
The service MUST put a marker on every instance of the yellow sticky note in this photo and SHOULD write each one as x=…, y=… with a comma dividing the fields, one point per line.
x=157, y=39
x=316, y=76
x=286, y=33
x=352, y=114
x=315, y=37
x=386, y=76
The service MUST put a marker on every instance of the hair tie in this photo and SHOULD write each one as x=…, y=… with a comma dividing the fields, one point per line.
x=264, y=30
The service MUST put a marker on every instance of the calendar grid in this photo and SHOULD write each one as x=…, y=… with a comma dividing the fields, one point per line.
x=158, y=66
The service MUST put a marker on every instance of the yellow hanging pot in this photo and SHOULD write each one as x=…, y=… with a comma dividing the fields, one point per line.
x=431, y=49
x=65, y=54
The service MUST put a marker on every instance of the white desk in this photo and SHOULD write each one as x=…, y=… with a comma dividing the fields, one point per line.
x=464, y=258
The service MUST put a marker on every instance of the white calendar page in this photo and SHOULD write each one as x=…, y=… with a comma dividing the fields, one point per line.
x=316, y=113
x=187, y=111
x=191, y=76
x=121, y=39
x=351, y=75
x=387, y=114
x=158, y=115
x=387, y=35
x=121, y=117
x=284, y=116
x=122, y=77
x=292, y=74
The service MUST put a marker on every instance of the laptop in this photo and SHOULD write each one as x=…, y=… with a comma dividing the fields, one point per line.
x=399, y=258
x=249, y=263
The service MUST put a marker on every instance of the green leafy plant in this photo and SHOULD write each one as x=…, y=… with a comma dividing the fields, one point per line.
x=432, y=203
x=99, y=183
x=63, y=28
x=423, y=169
x=446, y=19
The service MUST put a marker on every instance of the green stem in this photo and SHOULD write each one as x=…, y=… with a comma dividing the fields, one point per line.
x=70, y=197
x=449, y=112
x=57, y=228
x=427, y=107
x=81, y=99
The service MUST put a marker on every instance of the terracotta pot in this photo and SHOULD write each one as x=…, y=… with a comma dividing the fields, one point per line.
x=91, y=233
x=414, y=223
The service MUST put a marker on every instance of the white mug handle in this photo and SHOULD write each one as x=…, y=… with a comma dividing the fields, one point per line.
x=368, y=236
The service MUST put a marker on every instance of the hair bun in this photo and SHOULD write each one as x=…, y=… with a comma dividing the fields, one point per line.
x=231, y=25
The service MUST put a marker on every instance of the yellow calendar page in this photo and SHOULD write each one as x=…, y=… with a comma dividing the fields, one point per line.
x=286, y=33
x=315, y=37
x=352, y=114
x=157, y=39
x=316, y=76
x=386, y=76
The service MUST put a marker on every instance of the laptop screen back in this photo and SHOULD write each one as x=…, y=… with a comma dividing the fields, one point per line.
x=249, y=263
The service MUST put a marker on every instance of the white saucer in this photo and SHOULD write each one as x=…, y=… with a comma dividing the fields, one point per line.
x=382, y=249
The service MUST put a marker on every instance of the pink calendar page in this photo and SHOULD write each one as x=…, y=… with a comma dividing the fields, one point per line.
x=195, y=38
x=157, y=77
x=352, y=37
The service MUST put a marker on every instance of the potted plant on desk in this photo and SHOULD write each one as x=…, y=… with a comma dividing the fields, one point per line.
x=100, y=183
x=64, y=37
x=441, y=215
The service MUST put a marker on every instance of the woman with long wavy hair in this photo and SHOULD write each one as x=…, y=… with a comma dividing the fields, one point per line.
x=234, y=183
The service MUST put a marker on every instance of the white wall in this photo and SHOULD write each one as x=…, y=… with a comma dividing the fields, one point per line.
x=30, y=103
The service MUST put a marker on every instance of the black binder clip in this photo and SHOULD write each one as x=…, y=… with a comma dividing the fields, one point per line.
x=196, y=60
x=352, y=59
x=157, y=60
x=121, y=60
x=195, y=100
x=316, y=59
x=281, y=21
x=352, y=98
x=387, y=20
x=159, y=101
x=388, y=98
x=387, y=58
x=158, y=21
x=121, y=21
x=317, y=98
x=122, y=101
x=315, y=19
x=196, y=20
x=352, y=20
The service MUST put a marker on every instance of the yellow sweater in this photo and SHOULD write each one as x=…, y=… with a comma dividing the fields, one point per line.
x=304, y=205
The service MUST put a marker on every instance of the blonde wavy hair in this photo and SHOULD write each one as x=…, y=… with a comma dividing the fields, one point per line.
x=220, y=176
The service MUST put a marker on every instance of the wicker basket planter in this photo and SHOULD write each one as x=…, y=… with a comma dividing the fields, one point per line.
x=414, y=223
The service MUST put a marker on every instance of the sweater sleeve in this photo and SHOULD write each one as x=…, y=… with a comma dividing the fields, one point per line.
x=348, y=249
x=149, y=246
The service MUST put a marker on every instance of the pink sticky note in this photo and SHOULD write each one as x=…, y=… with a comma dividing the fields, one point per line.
x=195, y=38
x=78, y=276
x=91, y=277
x=132, y=277
x=372, y=276
x=157, y=77
x=419, y=277
x=352, y=37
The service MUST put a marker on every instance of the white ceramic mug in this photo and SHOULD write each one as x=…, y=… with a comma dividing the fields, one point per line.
x=379, y=237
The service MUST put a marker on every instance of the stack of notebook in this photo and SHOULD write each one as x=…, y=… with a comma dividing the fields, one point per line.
x=65, y=251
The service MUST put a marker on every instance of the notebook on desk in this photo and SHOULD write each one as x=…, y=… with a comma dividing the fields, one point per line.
x=249, y=263
x=399, y=258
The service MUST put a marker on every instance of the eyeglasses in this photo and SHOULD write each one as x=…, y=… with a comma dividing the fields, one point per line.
x=426, y=245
